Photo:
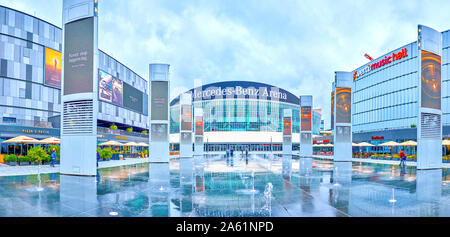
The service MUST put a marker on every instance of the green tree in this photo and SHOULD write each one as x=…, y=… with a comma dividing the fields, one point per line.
x=38, y=154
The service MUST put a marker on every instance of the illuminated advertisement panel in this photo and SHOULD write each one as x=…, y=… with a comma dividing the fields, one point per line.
x=79, y=56
x=332, y=110
x=117, y=89
x=431, y=80
x=53, y=67
x=343, y=105
x=199, y=126
x=159, y=100
x=159, y=133
x=186, y=117
x=306, y=118
x=132, y=98
x=287, y=126
x=105, y=86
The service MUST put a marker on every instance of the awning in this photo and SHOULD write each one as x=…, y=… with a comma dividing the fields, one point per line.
x=50, y=140
x=22, y=140
x=142, y=144
x=391, y=143
x=409, y=143
x=111, y=143
x=131, y=144
x=446, y=143
x=365, y=144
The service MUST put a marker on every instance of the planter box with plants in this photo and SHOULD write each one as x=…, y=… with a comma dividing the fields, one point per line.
x=11, y=160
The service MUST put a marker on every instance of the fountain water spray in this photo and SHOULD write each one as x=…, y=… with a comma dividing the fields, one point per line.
x=393, y=197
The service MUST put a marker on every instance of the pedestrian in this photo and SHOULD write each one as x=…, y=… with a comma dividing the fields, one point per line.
x=53, y=156
x=402, y=158
x=246, y=156
x=98, y=158
x=231, y=152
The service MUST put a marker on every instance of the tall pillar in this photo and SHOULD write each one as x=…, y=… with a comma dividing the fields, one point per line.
x=429, y=129
x=287, y=132
x=342, y=131
x=79, y=83
x=198, y=141
x=159, y=113
x=186, y=125
x=306, y=143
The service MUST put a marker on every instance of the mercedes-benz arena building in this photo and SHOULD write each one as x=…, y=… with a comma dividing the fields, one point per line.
x=386, y=91
x=240, y=114
x=30, y=85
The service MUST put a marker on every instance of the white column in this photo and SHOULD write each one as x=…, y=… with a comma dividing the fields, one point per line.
x=287, y=132
x=79, y=88
x=159, y=113
x=186, y=125
x=342, y=131
x=306, y=141
x=429, y=128
x=198, y=141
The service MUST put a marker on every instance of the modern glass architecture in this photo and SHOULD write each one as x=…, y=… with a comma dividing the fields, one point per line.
x=30, y=85
x=239, y=114
x=316, y=121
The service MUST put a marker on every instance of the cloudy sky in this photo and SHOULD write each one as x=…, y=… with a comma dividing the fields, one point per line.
x=296, y=45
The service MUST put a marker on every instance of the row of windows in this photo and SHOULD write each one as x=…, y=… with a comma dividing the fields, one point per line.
x=382, y=125
x=392, y=99
x=389, y=113
x=30, y=28
x=118, y=114
x=26, y=90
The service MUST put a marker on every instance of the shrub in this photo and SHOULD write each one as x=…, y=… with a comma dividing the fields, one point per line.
x=113, y=127
x=106, y=153
x=130, y=130
x=146, y=152
x=145, y=132
x=37, y=154
x=24, y=159
x=11, y=158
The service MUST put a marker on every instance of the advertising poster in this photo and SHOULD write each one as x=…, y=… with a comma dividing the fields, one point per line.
x=431, y=80
x=53, y=67
x=105, y=86
x=79, y=56
x=343, y=134
x=332, y=110
x=159, y=100
x=287, y=126
x=306, y=118
x=117, y=95
x=159, y=133
x=199, y=126
x=186, y=118
x=132, y=98
x=343, y=105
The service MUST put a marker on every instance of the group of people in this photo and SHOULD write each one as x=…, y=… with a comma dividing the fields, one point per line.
x=230, y=153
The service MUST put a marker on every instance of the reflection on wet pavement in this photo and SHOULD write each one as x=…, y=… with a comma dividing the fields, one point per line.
x=220, y=187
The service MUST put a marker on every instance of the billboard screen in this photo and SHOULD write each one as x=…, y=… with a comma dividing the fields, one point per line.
x=105, y=86
x=431, y=80
x=117, y=91
x=79, y=56
x=159, y=133
x=199, y=126
x=287, y=126
x=332, y=110
x=186, y=117
x=53, y=66
x=159, y=100
x=132, y=98
x=343, y=105
x=305, y=115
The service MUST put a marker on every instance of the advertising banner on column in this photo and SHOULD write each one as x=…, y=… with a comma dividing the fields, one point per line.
x=343, y=134
x=305, y=138
x=186, y=138
x=199, y=126
x=287, y=126
x=332, y=110
x=159, y=133
x=343, y=105
x=186, y=117
x=159, y=100
x=79, y=56
x=117, y=95
x=305, y=114
x=431, y=80
x=53, y=67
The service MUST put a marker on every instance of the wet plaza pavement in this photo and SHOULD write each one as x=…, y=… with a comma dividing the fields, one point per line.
x=220, y=187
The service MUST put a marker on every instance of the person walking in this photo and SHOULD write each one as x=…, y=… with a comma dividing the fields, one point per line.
x=402, y=158
x=53, y=156
x=246, y=156
x=98, y=158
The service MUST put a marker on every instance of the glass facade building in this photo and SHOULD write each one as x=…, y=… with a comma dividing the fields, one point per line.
x=30, y=84
x=316, y=121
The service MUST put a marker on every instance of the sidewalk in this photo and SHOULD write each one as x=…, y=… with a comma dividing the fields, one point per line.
x=6, y=170
x=387, y=162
